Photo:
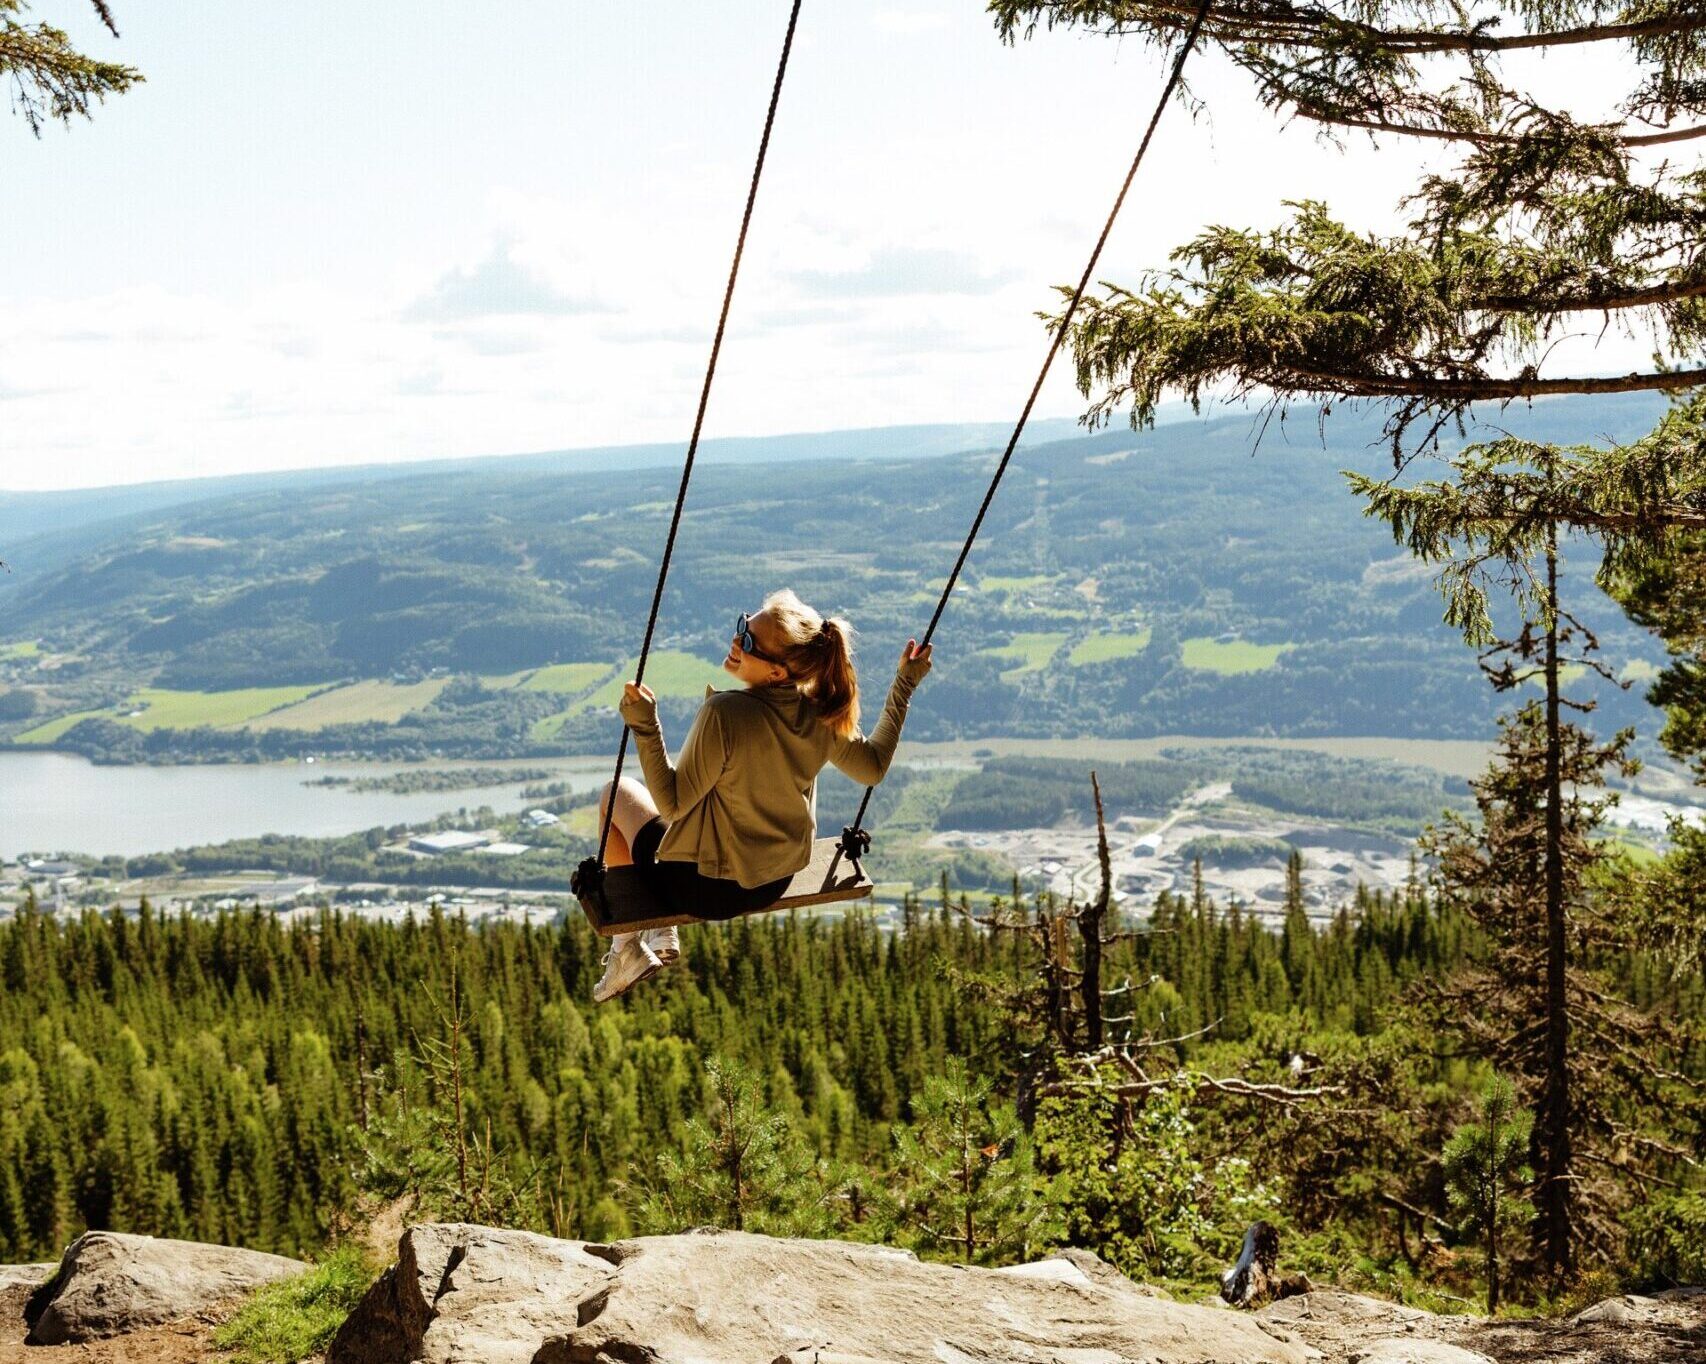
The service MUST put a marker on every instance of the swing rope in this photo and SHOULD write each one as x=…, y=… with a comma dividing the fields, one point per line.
x=855, y=840
x=590, y=873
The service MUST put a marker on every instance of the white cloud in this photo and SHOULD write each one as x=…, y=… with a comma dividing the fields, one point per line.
x=496, y=287
x=892, y=270
x=907, y=21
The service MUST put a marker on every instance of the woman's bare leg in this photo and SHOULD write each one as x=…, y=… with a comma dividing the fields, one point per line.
x=634, y=810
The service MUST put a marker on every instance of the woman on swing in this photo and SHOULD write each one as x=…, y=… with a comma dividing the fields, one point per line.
x=722, y=830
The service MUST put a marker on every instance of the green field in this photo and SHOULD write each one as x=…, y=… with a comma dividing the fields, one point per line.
x=1237, y=656
x=165, y=709
x=668, y=673
x=50, y=730
x=1637, y=853
x=376, y=702
x=1568, y=676
x=1105, y=646
x=1036, y=582
x=505, y=681
x=568, y=678
x=23, y=649
x=1455, y=757
x=1031, y=650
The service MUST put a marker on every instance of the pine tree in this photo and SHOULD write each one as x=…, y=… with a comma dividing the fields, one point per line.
x=1297, y=937
x=1523, y=874
x=967, y=1188
x=1485, y=1168
x=740, y=1166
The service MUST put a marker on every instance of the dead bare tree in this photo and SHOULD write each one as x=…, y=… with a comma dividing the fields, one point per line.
x=1064, y=1005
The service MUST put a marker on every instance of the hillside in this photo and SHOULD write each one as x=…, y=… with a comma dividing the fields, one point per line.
x=1126, y=584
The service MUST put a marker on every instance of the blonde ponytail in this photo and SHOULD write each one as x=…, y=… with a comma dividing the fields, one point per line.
x=818, y=654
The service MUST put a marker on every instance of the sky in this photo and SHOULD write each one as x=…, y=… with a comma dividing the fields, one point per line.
x=326, y=233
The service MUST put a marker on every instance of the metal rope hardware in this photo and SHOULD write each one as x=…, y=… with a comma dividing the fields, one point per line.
x=850, y=835
x=588, y=879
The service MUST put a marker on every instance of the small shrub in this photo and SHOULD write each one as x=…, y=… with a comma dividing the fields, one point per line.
x=289, y=1321
x=1667, y=1240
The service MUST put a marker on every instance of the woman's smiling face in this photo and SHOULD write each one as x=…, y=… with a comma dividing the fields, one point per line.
x=750, y=668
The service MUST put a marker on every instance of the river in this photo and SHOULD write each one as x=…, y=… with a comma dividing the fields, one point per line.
x=60, y=803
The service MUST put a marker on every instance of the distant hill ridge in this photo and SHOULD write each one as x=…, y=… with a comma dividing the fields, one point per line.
x=24, y=514
x=1177, y=580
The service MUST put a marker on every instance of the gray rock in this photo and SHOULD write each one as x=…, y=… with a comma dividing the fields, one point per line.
x=1415, y=1350
x=1330, y=1307
x=17, y=1284
x=461, y=1294
x=1623, y=1311
x=465, y=1292
x=109, y=1283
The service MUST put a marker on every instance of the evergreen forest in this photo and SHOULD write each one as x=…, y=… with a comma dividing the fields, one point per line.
x=242, y=1080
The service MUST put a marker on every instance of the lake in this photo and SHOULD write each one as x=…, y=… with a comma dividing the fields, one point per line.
x=60, y=803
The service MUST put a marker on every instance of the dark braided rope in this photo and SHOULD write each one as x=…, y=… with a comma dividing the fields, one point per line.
x=698, y=424
x=854, y=840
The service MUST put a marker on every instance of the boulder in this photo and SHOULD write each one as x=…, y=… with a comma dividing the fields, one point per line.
x=18, y=1284
x=1415, y=1350
x=1621, y=1311
x=109, y=1283
x=465, y=1292
x=1331, y=1307
x=1354, y=1327
x=461, y=1294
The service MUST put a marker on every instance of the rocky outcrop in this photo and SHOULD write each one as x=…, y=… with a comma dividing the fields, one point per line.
x=108, y=1284
x=460, y=1294
x=1348, y=1328
x=18, y=1284
x=476, y=1295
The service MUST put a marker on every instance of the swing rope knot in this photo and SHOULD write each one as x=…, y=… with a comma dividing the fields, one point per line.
x=587, y=883
x=855, y=842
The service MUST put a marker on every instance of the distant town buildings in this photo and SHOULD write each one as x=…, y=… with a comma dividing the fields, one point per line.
x=448, y=841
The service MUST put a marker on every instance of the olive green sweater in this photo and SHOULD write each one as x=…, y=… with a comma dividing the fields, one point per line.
x=741, y=801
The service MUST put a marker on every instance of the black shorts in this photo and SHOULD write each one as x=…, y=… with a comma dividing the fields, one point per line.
x=682, y=886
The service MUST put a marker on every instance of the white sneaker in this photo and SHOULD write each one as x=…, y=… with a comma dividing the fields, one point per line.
x=626, y=964
x=665, y=944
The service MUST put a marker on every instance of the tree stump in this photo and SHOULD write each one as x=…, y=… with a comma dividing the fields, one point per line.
x=1253, y=1280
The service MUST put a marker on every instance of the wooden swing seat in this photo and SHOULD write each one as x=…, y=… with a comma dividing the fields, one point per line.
x=628, y=903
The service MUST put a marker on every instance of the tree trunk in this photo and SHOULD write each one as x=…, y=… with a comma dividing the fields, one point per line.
x=966, y=1158
x=1556, y=1192
x=1090, y=922
x=361, y=1062
x=1054, y=975
x=1493, y=1225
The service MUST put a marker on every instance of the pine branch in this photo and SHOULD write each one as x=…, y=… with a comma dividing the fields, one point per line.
x=1476, y=389
x=1481, y=137
x=1259, y=23
x=50, y=79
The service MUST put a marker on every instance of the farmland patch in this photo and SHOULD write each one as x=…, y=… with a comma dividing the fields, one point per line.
x=1230, y=657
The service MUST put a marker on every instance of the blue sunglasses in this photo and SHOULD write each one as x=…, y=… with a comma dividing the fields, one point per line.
x=748, y=645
